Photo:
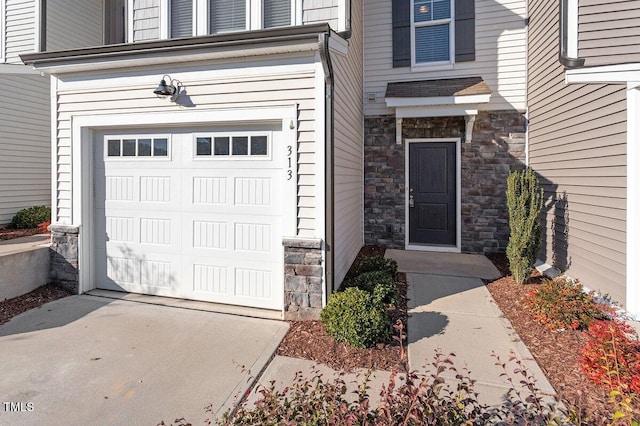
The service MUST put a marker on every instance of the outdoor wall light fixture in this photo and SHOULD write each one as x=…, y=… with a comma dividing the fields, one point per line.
x=172, y=89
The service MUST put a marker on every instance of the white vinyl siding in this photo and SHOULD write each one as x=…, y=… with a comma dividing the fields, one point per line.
x=500, y=55
x=320, y=11
x=19, y=31
x=25, y=148
x=146, y=20
x=253, y=85
x=74, y=23
x=348, y=151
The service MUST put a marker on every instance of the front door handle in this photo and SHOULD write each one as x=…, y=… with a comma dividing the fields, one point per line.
x=411, y=202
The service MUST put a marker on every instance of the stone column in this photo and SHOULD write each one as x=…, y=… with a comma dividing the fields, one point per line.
x=63, y=270
x=302, y=278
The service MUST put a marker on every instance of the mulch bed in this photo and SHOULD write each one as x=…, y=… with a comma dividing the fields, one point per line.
x=555, y=351
x=10, y=234
x=309, y=340
x=9, y=308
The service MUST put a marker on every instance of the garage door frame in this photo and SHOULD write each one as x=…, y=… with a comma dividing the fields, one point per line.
x=82, y=169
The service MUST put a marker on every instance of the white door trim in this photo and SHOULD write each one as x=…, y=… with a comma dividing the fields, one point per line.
x=449, y=249
x=82, y=135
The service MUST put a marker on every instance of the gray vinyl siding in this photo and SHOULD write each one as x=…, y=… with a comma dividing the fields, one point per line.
x=206, y=91
x=146, y=20
x=74, y=23
x=348, y=158
x=577, y=145
x=25, y=148
x=19, y=29
x=318, y=11
x=609, y=31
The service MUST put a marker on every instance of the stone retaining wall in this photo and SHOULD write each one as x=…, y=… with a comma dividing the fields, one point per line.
x=498, y=146
x=302, y=279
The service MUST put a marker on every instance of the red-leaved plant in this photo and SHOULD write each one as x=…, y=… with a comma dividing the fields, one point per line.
x=44, y=227
x=611, y=356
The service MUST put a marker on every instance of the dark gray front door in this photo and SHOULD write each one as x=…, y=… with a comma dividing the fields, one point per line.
x=432, y=193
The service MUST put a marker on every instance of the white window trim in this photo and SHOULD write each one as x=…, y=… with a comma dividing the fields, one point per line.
x=444, y=249
x=3, y=31
x=433, y=66
x=254, y=18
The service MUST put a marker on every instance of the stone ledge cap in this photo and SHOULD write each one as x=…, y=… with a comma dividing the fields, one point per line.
x=308, y=243
x=66, y=229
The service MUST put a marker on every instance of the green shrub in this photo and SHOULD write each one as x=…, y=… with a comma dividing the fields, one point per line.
x=355, y=317
x=560, y=303
x=378, y=263
x=378, y=283
x=524, y=200
x=31, y=217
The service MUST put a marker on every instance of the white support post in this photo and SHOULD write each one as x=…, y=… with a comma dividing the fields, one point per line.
x=469, y=120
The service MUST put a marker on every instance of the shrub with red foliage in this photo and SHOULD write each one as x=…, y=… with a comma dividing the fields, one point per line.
x=44, y=227
x=611, y=356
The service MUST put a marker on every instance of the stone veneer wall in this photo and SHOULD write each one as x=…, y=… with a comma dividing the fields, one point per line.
x=63, y=269
x=302, y=279
x=498, y=146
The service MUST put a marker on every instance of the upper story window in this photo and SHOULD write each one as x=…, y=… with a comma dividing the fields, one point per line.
x=432, y=31
x=200, y=17
x=432, y=34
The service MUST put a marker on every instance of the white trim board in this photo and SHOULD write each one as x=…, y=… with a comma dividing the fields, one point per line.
x=439, y=248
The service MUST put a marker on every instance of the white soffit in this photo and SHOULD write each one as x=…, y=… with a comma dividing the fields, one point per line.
x=622, y=73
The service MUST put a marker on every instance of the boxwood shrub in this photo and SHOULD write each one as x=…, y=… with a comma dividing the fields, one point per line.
x=356, y=317
x=31, y=217
x=379, y=263
x=379, y=283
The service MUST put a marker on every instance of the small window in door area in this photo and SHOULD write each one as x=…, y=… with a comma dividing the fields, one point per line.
x=232, y=145
x=138, y=147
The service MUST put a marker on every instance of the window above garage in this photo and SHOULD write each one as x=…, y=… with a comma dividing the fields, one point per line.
x=187, y=18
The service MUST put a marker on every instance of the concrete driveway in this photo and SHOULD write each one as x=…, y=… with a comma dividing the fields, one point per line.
x=90, y=360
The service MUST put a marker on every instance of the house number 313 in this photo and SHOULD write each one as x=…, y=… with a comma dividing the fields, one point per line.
x=289, y=167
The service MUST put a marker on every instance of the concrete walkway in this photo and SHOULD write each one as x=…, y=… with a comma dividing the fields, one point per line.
x=452, y=310
x=86, y=360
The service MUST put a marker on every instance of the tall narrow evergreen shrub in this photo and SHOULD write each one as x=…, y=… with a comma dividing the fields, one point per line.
x=524, y=199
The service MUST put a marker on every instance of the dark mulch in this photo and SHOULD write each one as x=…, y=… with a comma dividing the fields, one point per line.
x=555, y=351
x=10, y=234
x=308, y=339
x=9, y=308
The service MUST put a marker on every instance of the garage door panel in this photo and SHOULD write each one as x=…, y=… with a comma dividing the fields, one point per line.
x=200, y=229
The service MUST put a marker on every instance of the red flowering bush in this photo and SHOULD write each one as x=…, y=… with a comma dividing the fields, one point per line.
x=611, y=356
x=563, y=304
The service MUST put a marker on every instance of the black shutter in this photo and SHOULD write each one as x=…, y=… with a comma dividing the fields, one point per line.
x=401, y=16
x=465, y=27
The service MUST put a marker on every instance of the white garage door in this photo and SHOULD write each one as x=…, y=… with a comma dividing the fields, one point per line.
x=195, y=215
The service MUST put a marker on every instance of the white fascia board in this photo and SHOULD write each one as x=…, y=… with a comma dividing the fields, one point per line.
x=145, y=60
x=633, y=202
x=440, y=100
x=435, y=111
x=621, y=73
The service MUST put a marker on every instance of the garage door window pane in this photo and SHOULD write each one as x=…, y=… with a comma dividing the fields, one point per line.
x=258, y=145
x=129, y=148
x=113, y=148
x=144, y=147
x=240, y=145
x=160, y=148
x=221, y=146
x=203, y=146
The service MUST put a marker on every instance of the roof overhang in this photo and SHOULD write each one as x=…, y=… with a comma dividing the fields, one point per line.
x=608, y=74
x=291, y=40
x=437, y=98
